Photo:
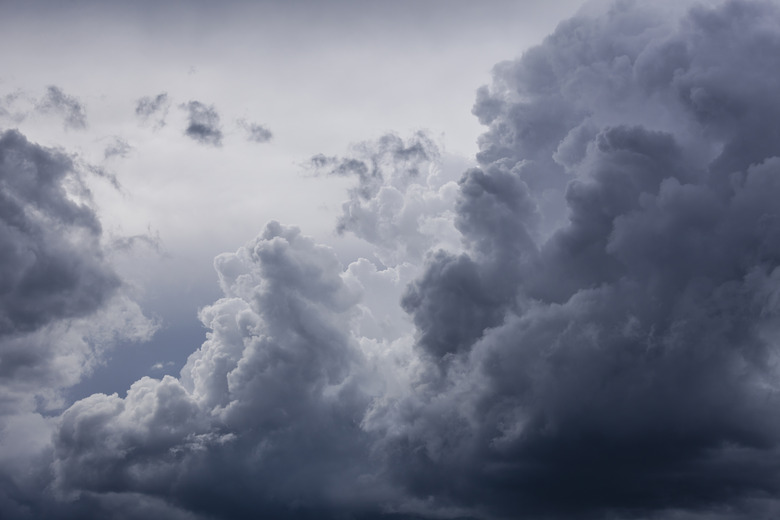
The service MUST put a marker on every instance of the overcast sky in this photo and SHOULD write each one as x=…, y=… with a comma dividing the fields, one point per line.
x=409, y=259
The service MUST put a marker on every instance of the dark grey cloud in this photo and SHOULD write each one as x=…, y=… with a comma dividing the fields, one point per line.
x=278, y=377
x=372, y=162
x=203, y=123
x=619, y=364
x=52, y=265
x=254, y=132
x=70, y=108
x=153, y=109
x=61, y=305
x=604, y=346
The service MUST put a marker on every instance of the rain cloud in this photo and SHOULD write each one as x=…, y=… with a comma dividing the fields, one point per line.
x=601, y=342
x=61, y=305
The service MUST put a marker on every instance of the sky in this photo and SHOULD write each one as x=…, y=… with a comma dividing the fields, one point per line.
x=390, y=260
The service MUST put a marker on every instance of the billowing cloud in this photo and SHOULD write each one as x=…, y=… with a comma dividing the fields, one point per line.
x=620, y=361
x=153, y=109
x=272, y=399
x=70, y=108
x=203, y=123
x=404, y=198
x=601, y=343
x=52, y=264
x=255, y=133
x=61, y=303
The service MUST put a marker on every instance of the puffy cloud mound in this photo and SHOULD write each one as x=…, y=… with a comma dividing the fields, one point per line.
x=604, y=344
x=53, y=266
x=621, y=361
x=403, y=200
x=266, y=415
x=61, y=306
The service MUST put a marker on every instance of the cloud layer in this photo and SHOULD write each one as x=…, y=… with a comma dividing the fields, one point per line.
x=599, y=340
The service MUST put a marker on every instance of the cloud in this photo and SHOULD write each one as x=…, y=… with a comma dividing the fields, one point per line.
x=619, y=362
x=601, y=344
x=273, y=397
x=117, y=148
x=153, y=109
x=203, y=123
x=403, y=199
x=52, y=263
x=254, y=132
x=72, y=111
x=61, y=304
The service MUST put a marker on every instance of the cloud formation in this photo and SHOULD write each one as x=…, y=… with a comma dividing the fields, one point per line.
x=61, y=305
x=603, y=342
x=52, y=264
x=118, y=147
x=404, y=196
x=622, y=362
x=72, y=111
x=153, y=109
x=277, y=378
x=254, y=132
x=203, y=123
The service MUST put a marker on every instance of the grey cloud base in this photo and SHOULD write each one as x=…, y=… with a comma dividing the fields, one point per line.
x=605, y=345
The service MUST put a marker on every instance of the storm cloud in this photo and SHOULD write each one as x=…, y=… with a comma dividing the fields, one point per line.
x=279, y=377
x=599, y=340
x=62, y=305
x=619, y=361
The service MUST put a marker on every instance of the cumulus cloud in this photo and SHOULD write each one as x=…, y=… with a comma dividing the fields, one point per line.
x=404, y=197
x=254, y=132
x=52, y=264
x=153, y=110
x=68, y=107
x=61, y=303
x=279, y=377
x=203, y=123
x=621, y=361
x=603, y=342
